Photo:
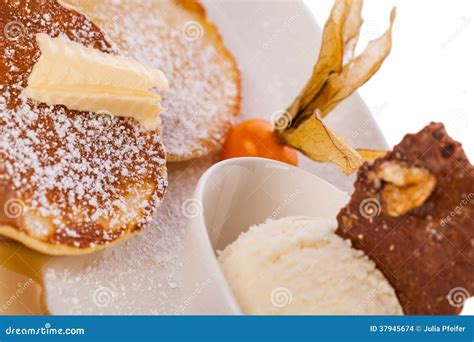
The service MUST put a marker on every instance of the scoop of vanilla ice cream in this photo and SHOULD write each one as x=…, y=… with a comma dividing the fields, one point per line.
x=298, y=265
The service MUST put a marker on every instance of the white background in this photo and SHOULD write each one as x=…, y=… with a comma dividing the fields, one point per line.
x=429, y=73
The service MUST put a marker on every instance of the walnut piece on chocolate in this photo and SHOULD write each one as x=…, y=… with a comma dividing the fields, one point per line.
x=406, y=187
x=422, y=235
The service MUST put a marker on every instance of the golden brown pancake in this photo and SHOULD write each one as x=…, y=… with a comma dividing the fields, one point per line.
x=176, y=37
x=70, y=182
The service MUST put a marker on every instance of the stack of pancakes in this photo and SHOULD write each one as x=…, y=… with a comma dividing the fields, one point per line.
x=73, y=182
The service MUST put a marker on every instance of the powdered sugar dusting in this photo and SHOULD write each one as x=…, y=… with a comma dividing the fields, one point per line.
x=139, y=276
x=204, y=89
x=78, y=171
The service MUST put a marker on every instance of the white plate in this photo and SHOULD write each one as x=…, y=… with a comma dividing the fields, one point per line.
x=275, y=44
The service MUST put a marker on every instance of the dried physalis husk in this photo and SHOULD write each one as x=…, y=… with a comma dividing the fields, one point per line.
x=319, y=143
x=330, y=60
x=356, y=72
x=406, y=187
x=369, y=155
x=336, y=75
x=351, y=31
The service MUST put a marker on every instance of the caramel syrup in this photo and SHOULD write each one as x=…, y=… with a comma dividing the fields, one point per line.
x=21, y=281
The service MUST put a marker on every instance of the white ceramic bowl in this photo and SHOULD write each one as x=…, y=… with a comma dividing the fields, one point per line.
x=230, y=197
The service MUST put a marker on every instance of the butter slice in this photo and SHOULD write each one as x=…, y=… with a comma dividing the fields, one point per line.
x=82, y=78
